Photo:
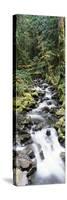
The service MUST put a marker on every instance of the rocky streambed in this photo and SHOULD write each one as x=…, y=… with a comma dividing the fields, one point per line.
x=38, y=150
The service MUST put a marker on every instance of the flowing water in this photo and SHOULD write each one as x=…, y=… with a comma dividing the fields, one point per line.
x=46, y=147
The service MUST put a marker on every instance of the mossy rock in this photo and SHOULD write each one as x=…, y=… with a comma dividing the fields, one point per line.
x=27, y=121
x=55, y=126
x=53, y=111
x=60, y=122
x=60, y=128
x=60, y=112
x=38, y=127
x=26, y=139
x=61, y=139
x=34, y=94
x=62, y=155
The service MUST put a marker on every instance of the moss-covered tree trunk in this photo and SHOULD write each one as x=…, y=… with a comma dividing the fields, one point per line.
x=61, y=40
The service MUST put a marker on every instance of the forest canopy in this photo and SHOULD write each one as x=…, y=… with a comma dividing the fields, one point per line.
x=40, y=49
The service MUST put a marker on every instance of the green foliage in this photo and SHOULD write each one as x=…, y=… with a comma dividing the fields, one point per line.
x=22, y=103
x=23, y=81
x=40, y=45
x=39, y=53
x=60, y=112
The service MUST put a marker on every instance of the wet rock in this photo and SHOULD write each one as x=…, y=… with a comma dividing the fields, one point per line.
x=27, y=164
x=27, y=121
x=20, y=129
x=28, y=126
x=28, y=150
x=39, y=147
x=38, y=127
x=36, y=118
x=25, y=125
x=61, y=139
x=35, y=95
x=55, y=95
x=43, y=94
x=41, y=155
x=31, y=154
x=45, y=85
x=33, y=132
x=31, y=171
x=41, y=99
x=21, y=177
x=29, y=180
x=17, y=140
x=52, y=120
x=48, y=133
x=28, y=109
x=34, y=162
x=62, y=155
x=45, y=98
x=38, y=90
x=46, y=108
x=53, y=110
x=25, y=138
x=51, y=88
x=23, y=163
x=55, y=126
x=28, y=142
x=33, y=105
x=19, y=121
x=49, y=102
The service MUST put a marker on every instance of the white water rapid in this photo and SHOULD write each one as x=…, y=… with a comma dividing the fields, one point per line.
x=47, y=149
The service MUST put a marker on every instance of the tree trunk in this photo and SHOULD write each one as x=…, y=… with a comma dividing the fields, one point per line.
x=61, y=43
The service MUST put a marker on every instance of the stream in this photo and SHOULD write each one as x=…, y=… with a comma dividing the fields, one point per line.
x=50, y=167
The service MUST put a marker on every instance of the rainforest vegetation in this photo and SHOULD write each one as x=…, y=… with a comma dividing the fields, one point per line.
x=40, y=45
x=39, y=98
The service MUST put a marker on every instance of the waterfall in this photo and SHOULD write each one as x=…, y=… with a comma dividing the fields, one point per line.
x=50, y=169
x=45, y=144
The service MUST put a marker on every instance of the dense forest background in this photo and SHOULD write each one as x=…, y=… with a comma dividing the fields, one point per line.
x=40, y=45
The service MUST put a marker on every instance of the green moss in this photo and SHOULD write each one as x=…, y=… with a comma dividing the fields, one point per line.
x=22, y=103
x=60, y=112
x=60, y=127
x=35, y=94
x=53, y=111
x=61, y=121
x=23, y=81
x=61, y=138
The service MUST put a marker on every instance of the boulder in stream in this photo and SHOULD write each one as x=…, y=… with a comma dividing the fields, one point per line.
x=46, y=109
x=62, y=155
x=48, y=132
x=31, y=171
x=21, y=177
x=42, y=155
x=23, y=162
x=25, y=138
